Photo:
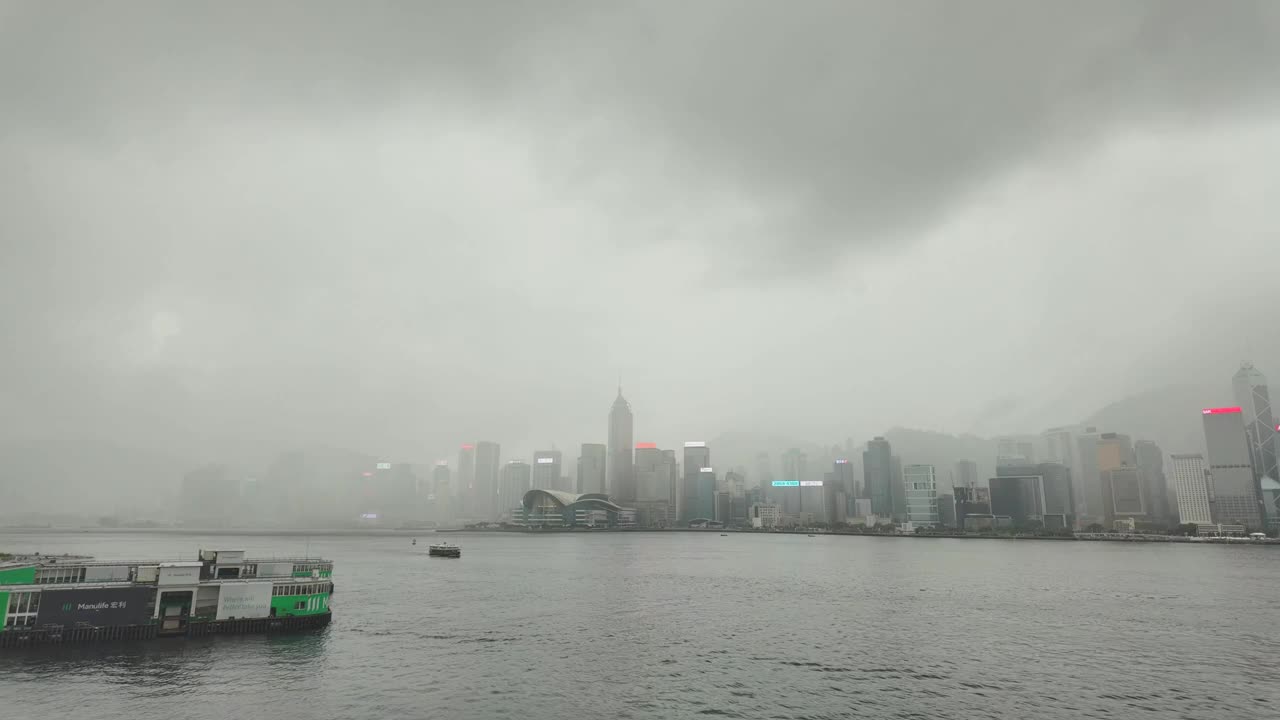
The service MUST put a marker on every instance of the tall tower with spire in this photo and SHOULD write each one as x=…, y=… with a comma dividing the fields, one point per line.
x=620, y=470
x=1250, y=388
x=1255, y=403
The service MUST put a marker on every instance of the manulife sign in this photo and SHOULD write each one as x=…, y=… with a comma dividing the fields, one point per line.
x=797, y=483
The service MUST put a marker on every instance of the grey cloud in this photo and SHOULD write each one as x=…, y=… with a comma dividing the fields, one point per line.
x=240, y=227
x=857, y=122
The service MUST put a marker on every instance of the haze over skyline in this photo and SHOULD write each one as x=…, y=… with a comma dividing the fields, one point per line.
x=237, y=229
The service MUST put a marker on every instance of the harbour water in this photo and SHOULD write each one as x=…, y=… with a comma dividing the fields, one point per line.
x=651, y=625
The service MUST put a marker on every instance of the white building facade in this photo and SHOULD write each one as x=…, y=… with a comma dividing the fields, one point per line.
x=1191, y=488
x=922, y=495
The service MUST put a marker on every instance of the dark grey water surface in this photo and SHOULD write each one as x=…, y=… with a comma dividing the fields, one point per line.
x=698, y=625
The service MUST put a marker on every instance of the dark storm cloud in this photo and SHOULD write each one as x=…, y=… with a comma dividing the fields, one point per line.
x=855, y=122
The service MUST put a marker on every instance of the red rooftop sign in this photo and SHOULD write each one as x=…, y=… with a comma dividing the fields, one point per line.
x=646, y=446
x=1220, y=411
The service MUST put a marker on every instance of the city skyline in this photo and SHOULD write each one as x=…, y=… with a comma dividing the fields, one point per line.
x=1117, y=481
x=732, y=358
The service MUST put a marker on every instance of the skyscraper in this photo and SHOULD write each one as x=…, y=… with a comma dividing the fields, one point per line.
x=1055, y=484
x=842, y=476
x=1271, y=502
x=652, y=474
x=970, y=501
x=1007, y=451
x=653, y=504
x=1191, y=487
x=621, y=469
x=704, y=501
x=1100, y=452
x=547, y=469
x=465, y=491
x=591, y=468
x=1250, y=388
x=1060, y=447
x=1233, y=489
x=696, y=457
x=515, y=482
x=795, y=465
x=1155, y=488
x=877, y=470
x=898, y=489
x=1115, y=450
x=735, y=483
x=1088, y=483
x=947, y=509
x=441, y=493
x=723, y=503
x=921, y=490
x=764, y=471
x=1018, y=497
x=1122, y=495
x=673, y=467
x=966, y=474
x=486, y=484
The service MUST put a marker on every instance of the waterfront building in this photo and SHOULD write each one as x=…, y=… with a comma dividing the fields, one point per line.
x=486, y=486
x=621, y=462
x=592, y=461
x=703, y=505
x=921, y=491
x=515, y=482
x=898, y=489
x=1056, y=484
x=466, y=487
x=971, y=501
x=947, y=509
x=441, y=497
x=978, y=523
x=550, y=509
x=1254, y=399
x=842, y=475
x=877, y=473
x=722, y=503
x=1155, y=488
x=1191, y=488
x=765, y=515
x=547, y=470
x=1234, y=489
x=1271, y=502
x=1060, y=447
x=1018, y=497
x=696, y=457
x=653, y=473
x=1122, y=495
x=1088, y=482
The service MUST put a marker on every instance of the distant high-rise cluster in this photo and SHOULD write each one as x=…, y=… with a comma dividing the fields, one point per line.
x=1077, y=477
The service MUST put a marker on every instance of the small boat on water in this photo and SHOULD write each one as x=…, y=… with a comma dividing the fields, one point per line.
x=724, y=534
x=813, y=536
x=445, y=550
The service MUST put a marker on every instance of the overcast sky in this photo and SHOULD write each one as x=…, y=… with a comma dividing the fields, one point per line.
x=397, y=227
